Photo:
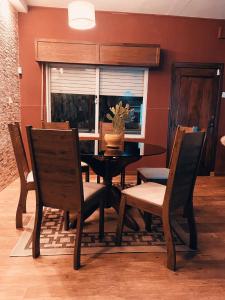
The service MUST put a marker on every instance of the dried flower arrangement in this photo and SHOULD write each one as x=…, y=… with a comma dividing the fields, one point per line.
x=119, y=114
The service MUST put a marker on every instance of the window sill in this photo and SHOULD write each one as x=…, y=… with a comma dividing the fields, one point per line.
x=95, y=136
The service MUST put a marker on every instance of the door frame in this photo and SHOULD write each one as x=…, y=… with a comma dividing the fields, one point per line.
x=196, y=65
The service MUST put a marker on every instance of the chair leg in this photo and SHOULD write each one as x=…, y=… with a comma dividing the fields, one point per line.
x=171, y=252
x=101, y=219
x=192, y=228
x=24, y=201
x=87, y=175
x=21, y=207
x=78, y=241
x=148, y=221
x=66, y=216
x=187, y=207
x=37, y=232
x=120, y=223
x=122, y=179
x=138, y=178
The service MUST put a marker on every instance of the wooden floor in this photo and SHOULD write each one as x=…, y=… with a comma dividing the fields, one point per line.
x=119, y=276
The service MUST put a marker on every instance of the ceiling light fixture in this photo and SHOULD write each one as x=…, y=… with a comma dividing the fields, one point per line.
x=81, y=15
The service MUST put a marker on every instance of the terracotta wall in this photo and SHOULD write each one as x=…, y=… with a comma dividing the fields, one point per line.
x=181, y=39
x=9, y=89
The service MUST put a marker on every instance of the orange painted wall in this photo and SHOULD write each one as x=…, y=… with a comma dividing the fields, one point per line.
x=181, y=39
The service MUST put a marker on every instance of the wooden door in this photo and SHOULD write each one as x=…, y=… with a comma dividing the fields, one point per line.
x=195, y=97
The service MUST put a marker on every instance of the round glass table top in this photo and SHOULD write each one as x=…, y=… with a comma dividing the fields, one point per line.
x=129, y=149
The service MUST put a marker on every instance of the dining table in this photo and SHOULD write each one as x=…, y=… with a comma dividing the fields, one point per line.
x=110, y=162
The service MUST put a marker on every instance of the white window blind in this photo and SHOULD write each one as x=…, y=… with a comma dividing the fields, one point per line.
x=116, y=81
x=73, y=79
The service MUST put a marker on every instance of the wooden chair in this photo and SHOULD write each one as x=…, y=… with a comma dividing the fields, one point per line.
x=164, y=201
x=26, y=175
x=55, y=125
x=107, y=128
x=58, y=182
x=158, y=175
x=66, y=125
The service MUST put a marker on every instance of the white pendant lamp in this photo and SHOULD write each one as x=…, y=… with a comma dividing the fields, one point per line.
x=81, y=15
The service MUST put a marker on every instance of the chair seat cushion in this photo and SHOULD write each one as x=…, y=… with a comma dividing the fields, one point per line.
x=154, y=173
x=149, y=192
x=92, y=193
x=30, y=177
x=83, y=164
x=91, y=188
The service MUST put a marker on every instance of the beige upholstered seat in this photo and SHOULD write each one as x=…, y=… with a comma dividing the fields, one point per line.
x=83, y=164
x=90, y=188
x=30, y=177
x=165, y=201
x=149, y=192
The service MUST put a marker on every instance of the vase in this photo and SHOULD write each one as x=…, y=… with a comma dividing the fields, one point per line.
x=114, y=140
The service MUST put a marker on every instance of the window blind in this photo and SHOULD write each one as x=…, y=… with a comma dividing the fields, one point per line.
x=73, y=80
x=116, y=81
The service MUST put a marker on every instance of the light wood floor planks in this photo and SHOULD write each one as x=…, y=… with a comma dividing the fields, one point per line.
x=119, y=276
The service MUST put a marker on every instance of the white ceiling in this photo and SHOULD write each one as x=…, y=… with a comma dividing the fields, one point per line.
x=214, y=9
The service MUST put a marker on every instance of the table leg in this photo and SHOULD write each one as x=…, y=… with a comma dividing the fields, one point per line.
x=128, y=220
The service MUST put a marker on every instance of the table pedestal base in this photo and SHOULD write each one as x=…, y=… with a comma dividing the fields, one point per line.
x=108, y=168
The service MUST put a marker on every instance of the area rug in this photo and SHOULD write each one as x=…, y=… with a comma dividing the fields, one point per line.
x=56, y=241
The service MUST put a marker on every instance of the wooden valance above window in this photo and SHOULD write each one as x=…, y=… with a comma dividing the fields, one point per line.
x=101, y=54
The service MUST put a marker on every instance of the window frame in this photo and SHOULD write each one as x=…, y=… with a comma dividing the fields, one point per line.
x=97, y=96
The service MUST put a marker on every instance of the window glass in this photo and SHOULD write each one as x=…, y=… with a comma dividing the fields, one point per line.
x=133, y=124
x=79, y=110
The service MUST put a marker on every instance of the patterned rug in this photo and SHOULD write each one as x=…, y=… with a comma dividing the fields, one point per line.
x=56, y=241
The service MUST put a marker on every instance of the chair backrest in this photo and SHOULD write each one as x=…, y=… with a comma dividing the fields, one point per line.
x=55, y=125
x=179, y=127
x=184, y=167
x=107, y=128
x=19, y=151
x=56, y=167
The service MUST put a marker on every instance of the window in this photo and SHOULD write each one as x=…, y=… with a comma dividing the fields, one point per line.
x=84, y=94
x=72, y=96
